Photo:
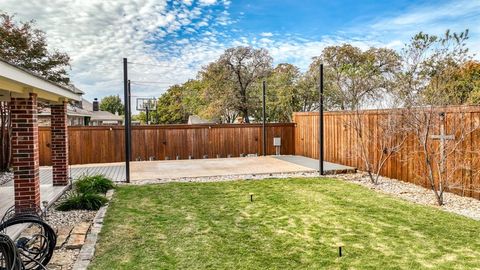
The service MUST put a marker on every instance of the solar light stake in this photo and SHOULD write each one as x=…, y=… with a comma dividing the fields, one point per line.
x=340, y=251
x=251, y=197
x=45, y=208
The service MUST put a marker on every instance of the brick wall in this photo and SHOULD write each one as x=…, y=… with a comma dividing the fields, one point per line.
x=25, y=152
x=59, y=129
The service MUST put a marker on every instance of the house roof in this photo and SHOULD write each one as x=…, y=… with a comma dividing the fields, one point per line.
x=71, y=111
x=87, y=110
x=100, y=115
x=14, y=79
x=195, y=119
x=87, y=105
x=105, y=116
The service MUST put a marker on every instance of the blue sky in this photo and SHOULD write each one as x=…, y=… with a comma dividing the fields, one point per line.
x=311, y=18
x=173, y=39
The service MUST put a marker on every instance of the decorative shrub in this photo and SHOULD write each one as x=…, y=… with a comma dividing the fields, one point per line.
x=93, y=184
x=82, y=201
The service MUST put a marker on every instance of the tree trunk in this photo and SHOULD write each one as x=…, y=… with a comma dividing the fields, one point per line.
x=246, y=118
x=5, y=136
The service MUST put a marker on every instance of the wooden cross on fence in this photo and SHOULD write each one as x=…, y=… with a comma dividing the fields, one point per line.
x=443, y=140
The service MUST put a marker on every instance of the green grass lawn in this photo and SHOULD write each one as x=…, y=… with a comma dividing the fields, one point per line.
x=291, y=224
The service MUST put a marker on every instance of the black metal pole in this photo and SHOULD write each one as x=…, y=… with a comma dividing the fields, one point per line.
x=320, y=124
x=264, y=130
x=129, y=119
x=126, y=85
x=146, y=112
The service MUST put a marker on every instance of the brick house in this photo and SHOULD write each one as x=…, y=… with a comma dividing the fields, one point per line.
x=25, y=92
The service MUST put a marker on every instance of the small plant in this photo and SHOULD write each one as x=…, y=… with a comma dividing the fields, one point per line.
x=87, y=194
x=82, y=201
x=93, y=184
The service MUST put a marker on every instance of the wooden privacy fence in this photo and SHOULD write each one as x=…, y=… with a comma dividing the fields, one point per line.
x=104, y=144
x=342, y=145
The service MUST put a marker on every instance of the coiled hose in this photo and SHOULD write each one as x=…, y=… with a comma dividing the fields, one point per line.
x=32, y=253
x=9, y=255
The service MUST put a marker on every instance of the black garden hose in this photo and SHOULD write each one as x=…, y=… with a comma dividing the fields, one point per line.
x=35, y=252
x=9, y=257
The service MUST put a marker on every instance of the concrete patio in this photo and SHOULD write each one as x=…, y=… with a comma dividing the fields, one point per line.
x=171, y=169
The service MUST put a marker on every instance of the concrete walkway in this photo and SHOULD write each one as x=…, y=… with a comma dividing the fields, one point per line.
x=48, y=193
x=114, y=171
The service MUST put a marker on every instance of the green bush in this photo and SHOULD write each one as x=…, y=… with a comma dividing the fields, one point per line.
x=82, y=201
x=93, y=184
x=87, y=194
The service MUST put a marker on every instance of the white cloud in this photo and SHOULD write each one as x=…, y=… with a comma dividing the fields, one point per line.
x=97, y=34
x=173, y=43
x=455, y=15
x=208, y=2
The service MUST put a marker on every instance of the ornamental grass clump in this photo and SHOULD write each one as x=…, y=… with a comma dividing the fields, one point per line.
x=88, y=194
x=82, y=201
x=93, y=184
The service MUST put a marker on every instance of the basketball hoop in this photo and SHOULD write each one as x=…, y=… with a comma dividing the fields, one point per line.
x=144, y=104
x=147, y=105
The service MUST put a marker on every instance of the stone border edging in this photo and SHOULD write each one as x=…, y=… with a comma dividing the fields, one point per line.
x=88, y=249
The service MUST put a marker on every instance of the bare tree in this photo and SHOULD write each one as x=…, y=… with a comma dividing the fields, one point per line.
x=376, y=146
x=429, y=65
x=441, y=137
x=357, y=79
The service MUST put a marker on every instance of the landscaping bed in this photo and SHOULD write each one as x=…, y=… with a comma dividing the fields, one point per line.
x=465, y=206
x=71, y=232
x=295, y=223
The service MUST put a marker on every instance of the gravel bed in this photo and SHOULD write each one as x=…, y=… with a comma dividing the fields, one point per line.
x=5, y=177
x=465, y=206
x=58, y=219
x=63, y=259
